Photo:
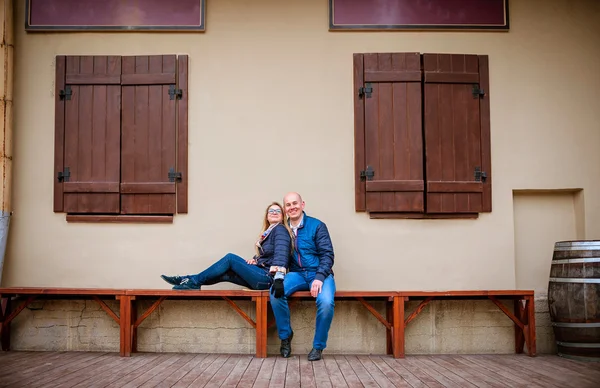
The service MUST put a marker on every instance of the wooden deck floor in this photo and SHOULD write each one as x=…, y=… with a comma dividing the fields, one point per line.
x=86, y=369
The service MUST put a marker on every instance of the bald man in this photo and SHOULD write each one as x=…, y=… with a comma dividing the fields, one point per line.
x=310, y=268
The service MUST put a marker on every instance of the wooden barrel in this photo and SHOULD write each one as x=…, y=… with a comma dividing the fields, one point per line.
x=574, y=299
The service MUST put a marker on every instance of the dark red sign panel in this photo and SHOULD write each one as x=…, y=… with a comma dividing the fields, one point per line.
x=418, y=14
x=114, y=15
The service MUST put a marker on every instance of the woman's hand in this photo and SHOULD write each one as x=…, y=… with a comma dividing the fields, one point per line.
x=251, y=261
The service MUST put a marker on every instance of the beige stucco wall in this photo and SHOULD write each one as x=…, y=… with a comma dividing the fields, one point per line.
x=268, y=72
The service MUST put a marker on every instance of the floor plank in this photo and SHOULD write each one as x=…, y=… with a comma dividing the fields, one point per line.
x=390, y=373
x=292, y=374
x=194, y=372
x=125, y=365
x=251, y=373
x=237, y=372
x=335, y=374
x=265, y=372
x=351, y=378
x=363, y=375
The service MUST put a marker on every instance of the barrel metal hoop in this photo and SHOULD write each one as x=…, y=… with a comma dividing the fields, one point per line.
x=578, y=325
x=577, y=245
x=574, y=280
x=578, y=345
x=577, y=261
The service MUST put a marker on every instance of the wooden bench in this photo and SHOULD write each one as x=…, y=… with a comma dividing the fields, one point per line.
x=24, y=296
x=131, y=322
x=395, y=321
x=524, y=307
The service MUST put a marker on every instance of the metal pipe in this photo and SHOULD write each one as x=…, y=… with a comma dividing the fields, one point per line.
x=6, y=123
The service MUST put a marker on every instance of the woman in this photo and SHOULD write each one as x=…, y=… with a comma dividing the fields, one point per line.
x=273, y=249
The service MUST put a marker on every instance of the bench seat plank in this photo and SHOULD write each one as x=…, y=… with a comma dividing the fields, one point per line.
x=195, y=293
x=59, y=291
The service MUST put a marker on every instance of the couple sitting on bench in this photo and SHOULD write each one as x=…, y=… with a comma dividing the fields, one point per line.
x=292, y=255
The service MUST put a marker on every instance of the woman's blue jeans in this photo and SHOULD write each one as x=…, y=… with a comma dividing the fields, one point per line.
x=233, y=269
x=301, y=281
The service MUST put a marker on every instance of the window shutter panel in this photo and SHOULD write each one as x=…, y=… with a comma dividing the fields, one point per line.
x=148, y=135
x=458, y=162
x=393, y=132
x=91, y=96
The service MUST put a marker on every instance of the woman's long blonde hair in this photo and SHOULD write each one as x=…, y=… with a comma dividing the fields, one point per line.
x=266, y=225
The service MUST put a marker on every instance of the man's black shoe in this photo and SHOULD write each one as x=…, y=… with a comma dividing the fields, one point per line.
x=315, y=354
x=286, y=346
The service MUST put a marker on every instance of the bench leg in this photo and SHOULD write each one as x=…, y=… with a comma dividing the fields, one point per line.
x=134, y=329
x=398, y=327
x=261, y=326
x=125, y=325
x=389, y=348
x=519, y=335
x=5, y=329
x=530, y=327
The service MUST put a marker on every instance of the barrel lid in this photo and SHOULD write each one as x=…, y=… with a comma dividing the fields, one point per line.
x=577, y=244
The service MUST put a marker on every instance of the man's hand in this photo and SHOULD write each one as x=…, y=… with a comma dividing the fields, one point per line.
x=277, y=288
x=316, y=287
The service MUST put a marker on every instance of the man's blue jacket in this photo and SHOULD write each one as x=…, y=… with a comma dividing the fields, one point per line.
x=313, y=250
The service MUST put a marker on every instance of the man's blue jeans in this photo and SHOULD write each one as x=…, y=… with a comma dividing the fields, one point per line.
x=232, y=268
x=301, y=281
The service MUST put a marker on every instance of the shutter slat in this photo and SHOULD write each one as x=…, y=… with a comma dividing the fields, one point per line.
x=359, y=134
x=91, y=187
x=93, y=79
x=148, y=79
x=59, y=132
x=182, y=134
x=484, y=117
x=148, y=188
x=451, y=78
x=386, y=186
x=392, y=76
x=454, y=187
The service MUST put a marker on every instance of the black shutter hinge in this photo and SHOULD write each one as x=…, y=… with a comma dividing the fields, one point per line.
x=477, y=92
x=175, y=92
x=367, y=174
x=365, y=91
x=174, y=176
x=66, y=93
x=480, y=176
x=63, y=176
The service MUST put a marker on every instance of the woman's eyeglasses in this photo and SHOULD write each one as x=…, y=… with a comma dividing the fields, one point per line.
x=274, y=211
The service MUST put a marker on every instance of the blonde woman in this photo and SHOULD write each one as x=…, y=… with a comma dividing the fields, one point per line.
x=273, y=248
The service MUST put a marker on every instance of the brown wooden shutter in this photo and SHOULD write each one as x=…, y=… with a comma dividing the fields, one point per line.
x=148, y=172
x=456, y=123
x=87, y=140
x=393, y=142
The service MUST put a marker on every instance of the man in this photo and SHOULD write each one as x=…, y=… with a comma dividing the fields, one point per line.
x=310, y=268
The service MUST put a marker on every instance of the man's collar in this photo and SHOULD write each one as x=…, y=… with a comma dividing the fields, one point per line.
x=301, y=221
